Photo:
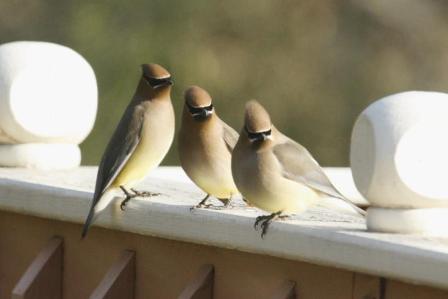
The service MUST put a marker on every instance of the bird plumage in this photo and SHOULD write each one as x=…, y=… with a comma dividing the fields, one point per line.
x=300, y=166
x=275, y=173
x=205, y=146
x=139, y=142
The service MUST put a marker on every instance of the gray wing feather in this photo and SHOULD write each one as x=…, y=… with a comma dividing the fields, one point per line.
x=125, y=139
x=300, y=166
x=230, y=136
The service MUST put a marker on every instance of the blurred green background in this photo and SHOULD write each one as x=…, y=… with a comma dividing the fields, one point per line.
x=315, y=65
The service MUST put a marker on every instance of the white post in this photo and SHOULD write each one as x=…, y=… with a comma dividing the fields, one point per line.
x=48, y=103
x=399, y=160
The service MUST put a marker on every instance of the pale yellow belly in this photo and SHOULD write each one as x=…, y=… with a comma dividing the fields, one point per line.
x=137, y=167
x=208, y=164
x=219, y=185
x=282, y=195
x=157, y=136
x=294, y=203
x=259, y=179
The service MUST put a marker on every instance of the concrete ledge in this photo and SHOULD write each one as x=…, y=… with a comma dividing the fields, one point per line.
x=319, y=236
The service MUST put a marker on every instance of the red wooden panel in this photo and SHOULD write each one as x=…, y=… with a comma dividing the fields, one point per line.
x=201, y=287
x=286, y=291
x=43, y=278
x=119, y=281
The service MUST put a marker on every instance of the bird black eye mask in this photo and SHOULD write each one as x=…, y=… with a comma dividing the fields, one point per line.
x=200, y=113
x=153, y=82
x=258, y=136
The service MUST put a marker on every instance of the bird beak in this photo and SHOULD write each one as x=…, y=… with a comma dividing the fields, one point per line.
x=266, y=136
x=206, y=113
x=202, y=114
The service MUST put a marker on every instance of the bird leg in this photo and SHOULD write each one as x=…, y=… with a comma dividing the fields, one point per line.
x=144, y=193
x=226, y=202
x=247, y=202
x=202, y=203
x=264, y=221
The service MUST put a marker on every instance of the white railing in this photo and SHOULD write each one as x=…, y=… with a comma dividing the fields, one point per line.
x=319, y=236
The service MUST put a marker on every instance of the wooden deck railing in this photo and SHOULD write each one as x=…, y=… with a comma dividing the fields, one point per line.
x=159, y=249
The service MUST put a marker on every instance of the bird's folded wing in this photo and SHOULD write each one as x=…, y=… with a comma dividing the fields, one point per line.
x=298, y=165
x=230, y=136
x=125, y=139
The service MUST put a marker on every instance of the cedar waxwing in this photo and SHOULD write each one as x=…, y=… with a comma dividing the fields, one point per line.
x=205, y=147
x=274, y=173
x=140, y=141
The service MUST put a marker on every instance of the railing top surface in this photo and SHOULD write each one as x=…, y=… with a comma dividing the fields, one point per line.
x=318, y=236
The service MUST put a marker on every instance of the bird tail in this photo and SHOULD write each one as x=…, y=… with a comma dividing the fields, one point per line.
x=342, y=204
x=353, y=206
x=97, y=207
x=90, y=218
x=350, y=203
x=337, y=194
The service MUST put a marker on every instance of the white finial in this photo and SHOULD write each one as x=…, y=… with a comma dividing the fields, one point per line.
x=48, y=96
x=399, y=160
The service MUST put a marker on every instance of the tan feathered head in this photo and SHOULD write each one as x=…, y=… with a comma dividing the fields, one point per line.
x=257, y=122
x=156, y=76
x=256, y=118
x=197, y=97
x=199, y=103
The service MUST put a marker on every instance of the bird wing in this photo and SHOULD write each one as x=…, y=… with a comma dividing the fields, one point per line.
x=125, y=139
x=230, y=136
x=300, y=166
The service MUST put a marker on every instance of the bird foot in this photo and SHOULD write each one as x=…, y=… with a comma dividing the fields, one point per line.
x=136, y=193
x=144, y=193
x=203, y=204
x=213, y=207
x=263, y=222
x=129, y=196
x=125, y=201
x=227, y=203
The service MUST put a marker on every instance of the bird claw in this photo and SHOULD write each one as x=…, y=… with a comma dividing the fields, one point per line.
x=258, y=220
x=263, y=222
x=123, y=204
x=144, y=193
x=148, y=194
x=130, y=196
x=201, y=205
x=227, y=203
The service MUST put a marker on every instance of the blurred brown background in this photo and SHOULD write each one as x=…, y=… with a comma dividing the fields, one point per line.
x=314, y=64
